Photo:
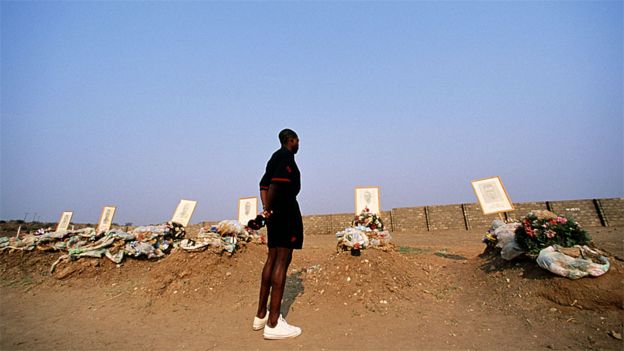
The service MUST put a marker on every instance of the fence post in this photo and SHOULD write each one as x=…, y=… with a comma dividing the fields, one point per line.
x=466, y=221
x=427, y=218
x=601, y=214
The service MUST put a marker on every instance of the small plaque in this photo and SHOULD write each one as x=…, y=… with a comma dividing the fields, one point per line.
x=367, y=197
x=106, y=219
x=492, y=195
x=63, y=223
x=184, y=211
x=247, y=209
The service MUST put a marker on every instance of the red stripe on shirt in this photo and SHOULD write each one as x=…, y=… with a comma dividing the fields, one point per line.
x=280, y=180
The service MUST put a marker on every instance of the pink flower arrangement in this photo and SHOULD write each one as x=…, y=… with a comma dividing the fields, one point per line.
x=528, y=229
x=544, y=228
x=369, y=220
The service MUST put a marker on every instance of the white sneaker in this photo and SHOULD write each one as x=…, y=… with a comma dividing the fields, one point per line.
x=282, y=330
x=259, y=323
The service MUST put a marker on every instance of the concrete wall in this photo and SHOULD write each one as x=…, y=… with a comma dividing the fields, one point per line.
x=476, y=218
x=446, y=217
x=408, y=218
x=588, y=213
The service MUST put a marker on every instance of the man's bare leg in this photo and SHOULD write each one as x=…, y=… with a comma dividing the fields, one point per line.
x=278, y=281
x=265, y=285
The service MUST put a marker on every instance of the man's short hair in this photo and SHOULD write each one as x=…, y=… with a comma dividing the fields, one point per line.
x=287, y=134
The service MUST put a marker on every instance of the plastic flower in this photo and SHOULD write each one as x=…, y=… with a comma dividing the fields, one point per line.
x=370, y=221
x=545, y=228
x=489, y=238
x=528, y=229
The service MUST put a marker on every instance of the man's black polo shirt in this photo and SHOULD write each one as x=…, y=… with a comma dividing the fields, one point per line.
x=282, y=169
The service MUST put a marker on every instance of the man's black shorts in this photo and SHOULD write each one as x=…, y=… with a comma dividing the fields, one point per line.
x=285, y=226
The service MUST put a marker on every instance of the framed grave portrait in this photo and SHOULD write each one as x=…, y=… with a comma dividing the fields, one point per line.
x=247, y=209
x=106, y=219
x=367, y=197
x=184, y=211
x=492, y=195
x=64, y=221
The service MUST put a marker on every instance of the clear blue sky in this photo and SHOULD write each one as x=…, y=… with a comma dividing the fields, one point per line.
x=140, y=104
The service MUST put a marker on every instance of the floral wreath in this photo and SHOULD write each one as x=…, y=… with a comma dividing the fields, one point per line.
x=368, y=220
x=540, y=229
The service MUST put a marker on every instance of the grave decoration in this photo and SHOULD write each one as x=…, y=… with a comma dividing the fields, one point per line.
x=150, y=242
x=557, y=243
x=366, y=231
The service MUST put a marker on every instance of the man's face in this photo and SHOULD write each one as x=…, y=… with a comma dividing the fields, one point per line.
x=293, y=145
x=367, y=196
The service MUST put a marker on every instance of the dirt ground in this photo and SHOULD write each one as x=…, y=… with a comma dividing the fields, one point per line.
x=433, y=291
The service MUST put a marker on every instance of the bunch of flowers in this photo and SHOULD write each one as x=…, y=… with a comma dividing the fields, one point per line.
x=368, y=220
x=500, y=233
x=490, y=238
x=540, y=229
x=175, y=230
x=351, y=238
x=42, y=231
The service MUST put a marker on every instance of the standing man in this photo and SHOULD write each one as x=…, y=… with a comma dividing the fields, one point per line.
x=278, y=191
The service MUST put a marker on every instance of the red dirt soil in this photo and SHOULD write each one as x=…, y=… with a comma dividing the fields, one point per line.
x=432, y=291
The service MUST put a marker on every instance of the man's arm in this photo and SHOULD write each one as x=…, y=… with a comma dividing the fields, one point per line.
x=265, y=202
x=267, y=197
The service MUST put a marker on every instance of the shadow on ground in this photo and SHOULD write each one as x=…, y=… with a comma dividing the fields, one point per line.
x=294, y=288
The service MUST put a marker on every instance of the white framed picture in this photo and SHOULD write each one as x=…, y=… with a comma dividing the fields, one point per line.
x=247, y=209
x=367, y=197
x=64, y=221
x=184, y=211
x=106, y=219
x=492, y=195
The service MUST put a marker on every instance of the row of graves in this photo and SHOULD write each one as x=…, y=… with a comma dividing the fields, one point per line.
x=148, y=242
x=557, y=243
x=156, y=241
